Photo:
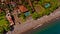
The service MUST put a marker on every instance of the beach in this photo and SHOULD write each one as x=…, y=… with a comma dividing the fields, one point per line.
x=32, y=24
x=48, y=28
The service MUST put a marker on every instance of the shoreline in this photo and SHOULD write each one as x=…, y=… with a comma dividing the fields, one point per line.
x=48, y=22
x=40, y=27
x=41, y=21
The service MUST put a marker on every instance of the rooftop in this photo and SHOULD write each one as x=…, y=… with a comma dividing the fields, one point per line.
x=22, y=8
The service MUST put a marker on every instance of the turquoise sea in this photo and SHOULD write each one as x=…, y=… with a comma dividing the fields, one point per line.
x=53, y=28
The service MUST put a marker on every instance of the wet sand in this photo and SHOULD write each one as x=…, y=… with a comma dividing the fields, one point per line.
x=20, y=28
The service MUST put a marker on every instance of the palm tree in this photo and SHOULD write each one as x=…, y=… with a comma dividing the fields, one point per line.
x=30, y=3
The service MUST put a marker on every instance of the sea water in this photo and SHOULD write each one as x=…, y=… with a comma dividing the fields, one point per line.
x=50, y=29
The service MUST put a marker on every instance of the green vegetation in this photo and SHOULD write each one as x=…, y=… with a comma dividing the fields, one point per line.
x=42, y=7
x=22, y=17
x=35, y=15
x=1, y=30
x=46, y=7
x=4, y=24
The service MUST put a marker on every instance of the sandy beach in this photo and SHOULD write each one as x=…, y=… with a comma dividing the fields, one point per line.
x=20, y=28
x=39, y=29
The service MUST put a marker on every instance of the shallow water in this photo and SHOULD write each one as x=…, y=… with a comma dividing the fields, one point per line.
x=50, y=29
x=53, y=29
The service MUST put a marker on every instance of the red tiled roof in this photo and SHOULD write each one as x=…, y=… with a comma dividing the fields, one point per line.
x=22, y=8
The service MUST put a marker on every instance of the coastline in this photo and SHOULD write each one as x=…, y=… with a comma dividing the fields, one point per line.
x=35, y=23
x=40, y=28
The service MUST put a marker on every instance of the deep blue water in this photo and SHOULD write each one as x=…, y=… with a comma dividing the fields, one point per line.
x=50, y=29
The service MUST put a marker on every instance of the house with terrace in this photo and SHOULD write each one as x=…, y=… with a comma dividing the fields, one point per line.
x=24, y=10
x=20, y=11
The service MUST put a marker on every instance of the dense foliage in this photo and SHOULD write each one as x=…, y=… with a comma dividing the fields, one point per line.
x=35, y=15
x=52, y=5
x=4, y=24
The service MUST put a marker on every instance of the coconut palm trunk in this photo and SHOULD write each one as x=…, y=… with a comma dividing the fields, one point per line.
x=30, y=3
x=15, y=14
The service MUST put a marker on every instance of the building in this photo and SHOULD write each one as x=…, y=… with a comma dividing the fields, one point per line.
x=22, y=8
x=9, y=18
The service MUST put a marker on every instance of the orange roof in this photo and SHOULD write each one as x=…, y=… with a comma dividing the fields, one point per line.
x=22, y=8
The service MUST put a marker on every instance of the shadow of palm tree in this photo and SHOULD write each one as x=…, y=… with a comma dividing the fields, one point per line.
x=12, y=28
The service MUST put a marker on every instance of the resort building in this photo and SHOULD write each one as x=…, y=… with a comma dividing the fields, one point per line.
x=9, y=18
x=22, y=8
